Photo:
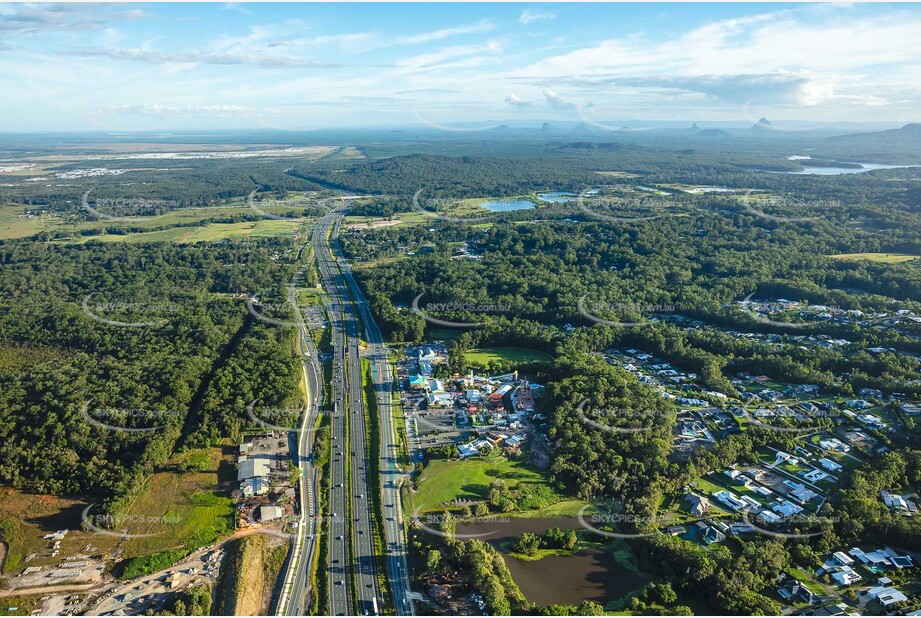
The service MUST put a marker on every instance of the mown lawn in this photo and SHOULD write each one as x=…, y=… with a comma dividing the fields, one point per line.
x=482, y=356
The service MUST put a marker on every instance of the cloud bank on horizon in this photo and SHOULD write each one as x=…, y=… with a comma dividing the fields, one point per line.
x=298, y=66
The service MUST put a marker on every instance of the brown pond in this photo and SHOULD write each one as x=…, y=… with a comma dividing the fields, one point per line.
x=590, y=574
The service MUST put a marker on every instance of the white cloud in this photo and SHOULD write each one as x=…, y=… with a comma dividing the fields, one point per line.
x=555, y=101
x=32, y=17
x=200, y=57
x=154, y=109
x=516, y=102
x=443, y=33
x=530, y=15
x=439, y=58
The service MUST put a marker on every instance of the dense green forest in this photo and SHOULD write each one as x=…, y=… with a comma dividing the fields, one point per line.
x=156, y=338
x=190, y=369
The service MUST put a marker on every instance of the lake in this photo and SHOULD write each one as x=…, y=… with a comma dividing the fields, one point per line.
x=591, y=574
x=556, y=197
x=507, y=205
x=651, y=190
x=835, y=171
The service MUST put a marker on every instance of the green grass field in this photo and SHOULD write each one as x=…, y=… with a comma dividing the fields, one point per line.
x=482, y=356
x=205, y=233
x=19, y=606
x=443, y=480
x=180, y=510
x=14, y=226
x=194, y=511
x=886, y=258
x=399, y=220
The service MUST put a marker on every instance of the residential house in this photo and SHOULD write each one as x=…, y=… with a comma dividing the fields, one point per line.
x=699, y=505
x=886, y=596
x=795, y=591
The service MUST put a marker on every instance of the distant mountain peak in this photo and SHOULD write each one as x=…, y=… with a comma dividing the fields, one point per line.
x=764, y=123
x=546, y=127
x=906, y=139
x=694, y=128
x=712, y=133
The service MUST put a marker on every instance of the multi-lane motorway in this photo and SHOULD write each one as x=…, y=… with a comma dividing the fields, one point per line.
x=352, y=562
x=391, y=477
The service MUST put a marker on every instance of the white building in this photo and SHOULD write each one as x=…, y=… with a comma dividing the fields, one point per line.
x=886, y=596
x=257, y=466
x=270, y=513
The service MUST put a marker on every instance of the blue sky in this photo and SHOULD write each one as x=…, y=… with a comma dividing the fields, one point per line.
x=302, y=66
